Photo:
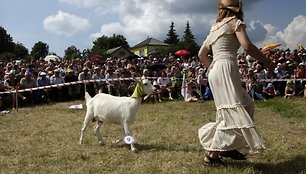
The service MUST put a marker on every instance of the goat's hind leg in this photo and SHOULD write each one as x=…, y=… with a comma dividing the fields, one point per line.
x=97, y=132
x=87, y=119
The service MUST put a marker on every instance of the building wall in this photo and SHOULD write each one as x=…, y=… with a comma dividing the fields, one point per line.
x=145, y=50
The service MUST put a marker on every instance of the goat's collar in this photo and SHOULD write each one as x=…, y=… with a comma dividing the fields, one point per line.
x=138, y=92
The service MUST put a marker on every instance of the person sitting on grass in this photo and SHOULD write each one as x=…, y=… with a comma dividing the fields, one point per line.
x=269, y=91
x=289, y=90
x=253, y=91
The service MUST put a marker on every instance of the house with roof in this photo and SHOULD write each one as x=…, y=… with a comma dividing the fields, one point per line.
x=119, y=52
x=148, y=46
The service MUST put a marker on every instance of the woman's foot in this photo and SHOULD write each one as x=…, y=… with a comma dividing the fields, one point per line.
x=234, y=154
x=215, y=162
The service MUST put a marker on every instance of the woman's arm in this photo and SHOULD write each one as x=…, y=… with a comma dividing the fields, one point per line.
x=203, y=55
x=250, y=48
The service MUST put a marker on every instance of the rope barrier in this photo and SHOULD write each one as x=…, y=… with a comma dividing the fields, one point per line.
x=122, y=79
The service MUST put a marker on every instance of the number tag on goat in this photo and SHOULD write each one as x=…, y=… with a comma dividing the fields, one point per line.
x=129, y=140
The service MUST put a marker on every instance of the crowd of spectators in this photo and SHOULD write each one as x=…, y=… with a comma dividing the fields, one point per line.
x=22, y=74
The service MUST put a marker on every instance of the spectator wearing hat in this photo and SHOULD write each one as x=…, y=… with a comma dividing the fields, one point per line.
x=202, y=80
x=73, y=91
x=289, y=90
x=11, y=84
x=300, y=71
x=42, y=81
x=56, y=93
x=28, y=82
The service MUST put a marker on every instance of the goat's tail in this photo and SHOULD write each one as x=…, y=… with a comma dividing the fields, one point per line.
x=87, y=97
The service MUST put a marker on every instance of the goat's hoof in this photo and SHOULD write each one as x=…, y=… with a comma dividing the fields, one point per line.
x=101, y=143
x=135, y=150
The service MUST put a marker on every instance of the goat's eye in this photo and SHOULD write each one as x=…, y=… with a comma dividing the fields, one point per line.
x=145, y=84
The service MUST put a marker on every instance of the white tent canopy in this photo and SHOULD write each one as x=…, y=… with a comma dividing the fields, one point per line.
x=51, y=58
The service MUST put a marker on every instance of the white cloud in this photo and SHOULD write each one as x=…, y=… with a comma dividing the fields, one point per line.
x=294, y=33
x=65, y=24
x=82, y=3
x=140, y=19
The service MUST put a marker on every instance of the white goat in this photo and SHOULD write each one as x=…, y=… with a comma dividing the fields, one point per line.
x=112, y=109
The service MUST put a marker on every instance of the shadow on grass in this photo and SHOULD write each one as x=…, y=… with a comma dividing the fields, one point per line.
x=159, y=147
x=292, y=165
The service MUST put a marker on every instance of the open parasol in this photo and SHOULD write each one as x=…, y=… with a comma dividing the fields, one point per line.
x=182, y=53
x=96, y=58
x=270, y=47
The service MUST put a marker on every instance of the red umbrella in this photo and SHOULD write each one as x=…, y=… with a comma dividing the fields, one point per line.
x=96, y=58
x=182, y=53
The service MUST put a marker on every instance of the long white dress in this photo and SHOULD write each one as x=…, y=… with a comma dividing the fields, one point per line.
x=234, y=128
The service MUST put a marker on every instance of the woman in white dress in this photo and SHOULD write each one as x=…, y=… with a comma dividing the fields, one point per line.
x=233, y=134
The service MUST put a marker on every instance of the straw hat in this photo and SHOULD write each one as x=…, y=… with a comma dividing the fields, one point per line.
x=234, y=5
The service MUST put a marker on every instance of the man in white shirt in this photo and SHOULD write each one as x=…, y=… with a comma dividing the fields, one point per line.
x=56, y=92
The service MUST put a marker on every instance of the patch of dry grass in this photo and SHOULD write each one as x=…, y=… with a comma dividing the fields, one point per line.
x=44, y=139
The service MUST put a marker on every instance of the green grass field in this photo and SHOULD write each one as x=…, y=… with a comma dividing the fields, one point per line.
x=44, y=139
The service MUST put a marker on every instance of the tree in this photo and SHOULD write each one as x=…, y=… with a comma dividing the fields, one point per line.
x=6, y=42
x=188, y=41
x=172, y=37
x=104, y=43
x=39, y=50
x=72, y=52
x=21, y=51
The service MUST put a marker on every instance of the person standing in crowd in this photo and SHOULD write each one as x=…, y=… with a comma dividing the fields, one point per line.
x=233, y=134
x=98, y=75
x=86, y=75
x=11, y=84
x=28, y=82
x=73, y=90
x=41, y=81
x=56, y=92
x=112, y=82
x=164, y=83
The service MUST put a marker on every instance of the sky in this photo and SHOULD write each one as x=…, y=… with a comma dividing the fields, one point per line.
x=63, y=23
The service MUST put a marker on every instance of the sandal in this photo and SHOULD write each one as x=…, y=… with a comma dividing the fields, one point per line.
x=234, y=154
x=215, y=162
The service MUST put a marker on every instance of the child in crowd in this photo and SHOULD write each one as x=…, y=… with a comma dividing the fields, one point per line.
x=289, y=90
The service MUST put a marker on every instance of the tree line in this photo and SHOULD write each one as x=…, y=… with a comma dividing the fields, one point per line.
x=9, y=50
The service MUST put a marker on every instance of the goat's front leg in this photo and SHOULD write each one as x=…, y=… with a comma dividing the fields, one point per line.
x=97, y=132
x=127, y=131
